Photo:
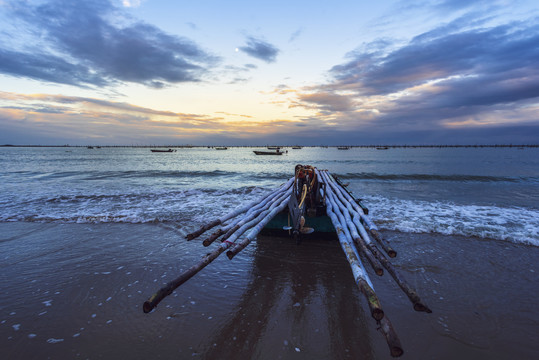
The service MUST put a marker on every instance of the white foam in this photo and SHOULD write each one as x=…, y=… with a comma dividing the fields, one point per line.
x=54, y=341
x=519, y=225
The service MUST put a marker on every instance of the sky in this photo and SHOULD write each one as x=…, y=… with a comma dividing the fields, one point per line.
x=160, y=72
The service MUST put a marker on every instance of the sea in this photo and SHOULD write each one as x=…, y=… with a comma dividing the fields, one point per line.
x=484, y=192
x=88, y=234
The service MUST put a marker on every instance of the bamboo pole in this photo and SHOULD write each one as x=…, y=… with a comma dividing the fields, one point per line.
x=260, y=218
x=418, y=304
x=152, y=302
x=209, y=240
x=156, y=298
x=249, y=215
x=373, y=229
x=253, y=214
x=336, y=202
x=386, y=328
x=360, y=275
x=235, y=213
x=256, y=229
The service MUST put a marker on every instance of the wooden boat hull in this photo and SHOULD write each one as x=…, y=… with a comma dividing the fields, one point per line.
x=322, y=225
x=267, y=153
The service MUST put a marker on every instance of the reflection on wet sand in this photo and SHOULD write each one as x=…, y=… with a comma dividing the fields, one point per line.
x=302, y=302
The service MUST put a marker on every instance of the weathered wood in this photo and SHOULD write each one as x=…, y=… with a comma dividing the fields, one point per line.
x=156, y=298
x=203, y=229
x=236, y=212
x=360, y=275
x=255, y=212
x=401, y=282
x=256, y=229
x=419, y=305
x=395, y=347
x=383, y=243
x=210, y=239
x=261, y=221
x=334, y=181
x=336, y=202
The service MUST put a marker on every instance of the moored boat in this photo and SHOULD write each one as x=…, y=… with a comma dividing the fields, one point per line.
x=162, y=151
x=276, y=152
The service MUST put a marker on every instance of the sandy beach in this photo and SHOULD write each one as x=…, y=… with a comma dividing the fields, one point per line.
x=76, y=291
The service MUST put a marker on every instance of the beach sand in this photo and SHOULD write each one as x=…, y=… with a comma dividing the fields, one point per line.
x=76, y=291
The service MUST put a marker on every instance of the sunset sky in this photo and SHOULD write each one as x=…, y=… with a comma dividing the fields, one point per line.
x=146, y=72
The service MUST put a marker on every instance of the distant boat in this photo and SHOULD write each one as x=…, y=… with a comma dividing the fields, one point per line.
x=90, y=147
x=276, y=152
x=274, y=148
x=296, y=147
x=162, y=151
x=221, y=148
x=343, y=147
x=382, y=148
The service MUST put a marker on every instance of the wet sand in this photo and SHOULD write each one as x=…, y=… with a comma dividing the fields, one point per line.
x=76, y=291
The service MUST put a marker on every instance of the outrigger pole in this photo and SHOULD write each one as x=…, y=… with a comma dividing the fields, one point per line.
x=261, y=211
x=335, y=194
x=310, y=193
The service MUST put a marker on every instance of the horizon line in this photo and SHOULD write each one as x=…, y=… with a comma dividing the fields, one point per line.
x=284, y=146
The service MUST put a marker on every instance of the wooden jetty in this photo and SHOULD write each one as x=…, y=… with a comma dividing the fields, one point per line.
x=313, y=202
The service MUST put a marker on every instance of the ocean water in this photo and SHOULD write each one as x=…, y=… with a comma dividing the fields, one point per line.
x=87, y=235
x=490, y=193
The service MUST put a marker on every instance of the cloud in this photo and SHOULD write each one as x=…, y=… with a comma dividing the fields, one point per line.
x=295, y=35
x=330, y=102
x=92, y=43
x=260, y=49
x=59, y=119
x=131, y=3
x=453, y=75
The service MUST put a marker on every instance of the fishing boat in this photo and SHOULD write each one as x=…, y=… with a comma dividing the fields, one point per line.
x=276, y=152
x=296, y=147
x=221, y=148
x=343, y=147
x=162, y=151
x=382, y=148
x=315, y=223
x=304, y=204
x=274, y=148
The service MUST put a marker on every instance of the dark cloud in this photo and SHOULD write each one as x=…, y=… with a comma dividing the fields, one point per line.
x=450, y=74
x=260, y=49
x=47, y=67
x=82, y=43
x=487, y=54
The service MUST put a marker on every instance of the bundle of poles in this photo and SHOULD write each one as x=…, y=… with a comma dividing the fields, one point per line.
x=353, y=227
x=249, y=219
x=355, y=231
